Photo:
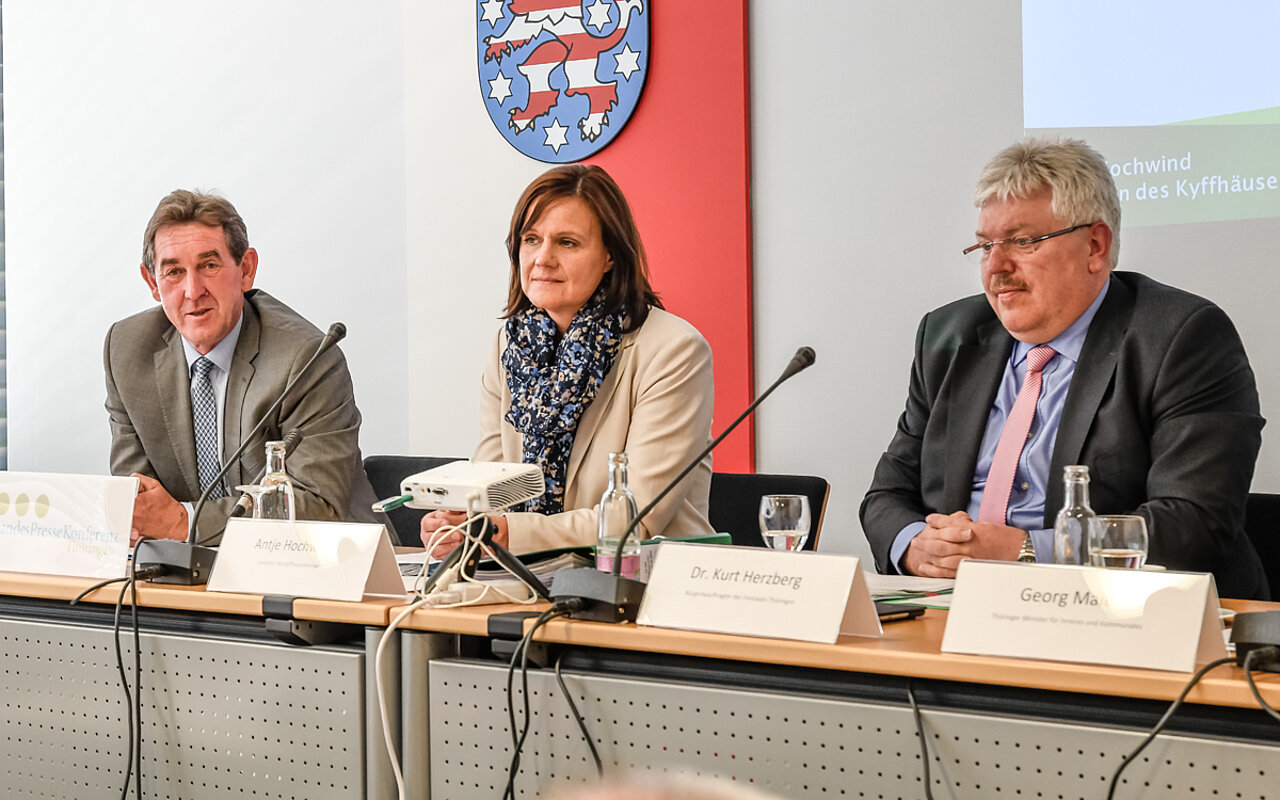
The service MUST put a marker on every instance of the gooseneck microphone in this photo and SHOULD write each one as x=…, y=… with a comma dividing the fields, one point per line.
x=188, y=561
x=245, y=504
x=613, y=598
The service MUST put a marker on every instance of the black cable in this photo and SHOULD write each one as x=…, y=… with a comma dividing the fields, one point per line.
x=124, y=682
x=1270, y=653
x=96, y=587
x=924, y=743
x=582, y=725
x=1115, y=779
x=137, y=683
x=521, y=652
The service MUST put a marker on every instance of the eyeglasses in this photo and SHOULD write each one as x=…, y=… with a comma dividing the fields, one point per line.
x=1020, y=246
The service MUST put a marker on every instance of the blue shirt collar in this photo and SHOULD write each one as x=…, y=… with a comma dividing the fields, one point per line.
x=221, y=354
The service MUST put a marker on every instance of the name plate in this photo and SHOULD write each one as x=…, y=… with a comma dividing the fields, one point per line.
x=326, y=560
x=1122, y=617
x=65, y=524
x=753, y=591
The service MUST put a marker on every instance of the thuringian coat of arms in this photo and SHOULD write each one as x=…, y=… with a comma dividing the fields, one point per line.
x=560, y=78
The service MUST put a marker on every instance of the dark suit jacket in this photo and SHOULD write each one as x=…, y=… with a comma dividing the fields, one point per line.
x=149, y=403
x=1163, y=409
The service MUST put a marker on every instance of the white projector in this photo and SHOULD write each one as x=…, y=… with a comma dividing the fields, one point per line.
x=499, y=485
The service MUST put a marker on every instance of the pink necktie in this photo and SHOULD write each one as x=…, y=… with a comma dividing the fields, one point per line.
x=1004, y=465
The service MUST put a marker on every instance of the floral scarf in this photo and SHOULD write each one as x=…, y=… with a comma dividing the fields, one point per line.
x=553, y=380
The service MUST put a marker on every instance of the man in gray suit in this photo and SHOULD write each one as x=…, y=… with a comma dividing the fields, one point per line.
x=1146, y=385
x=226, y=350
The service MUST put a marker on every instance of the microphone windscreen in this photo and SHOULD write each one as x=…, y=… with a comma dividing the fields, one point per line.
x=337, y=331
x=291, y=441
x=803, y=359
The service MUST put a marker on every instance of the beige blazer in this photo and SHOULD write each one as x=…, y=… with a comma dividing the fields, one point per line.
x=655, y=405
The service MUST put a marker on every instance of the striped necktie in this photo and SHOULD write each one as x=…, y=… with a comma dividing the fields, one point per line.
x=1017, y=428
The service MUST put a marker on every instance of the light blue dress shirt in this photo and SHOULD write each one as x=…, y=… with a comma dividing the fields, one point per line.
x=1030, y=482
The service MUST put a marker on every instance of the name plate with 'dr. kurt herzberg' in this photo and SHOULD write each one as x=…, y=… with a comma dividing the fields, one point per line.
x=757, y=592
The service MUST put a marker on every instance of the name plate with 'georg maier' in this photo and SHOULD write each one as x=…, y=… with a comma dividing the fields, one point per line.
x=757, y=592
x=1123, y=617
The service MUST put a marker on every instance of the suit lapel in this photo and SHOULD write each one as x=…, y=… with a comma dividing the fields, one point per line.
x=978, y=367
x=1093, y=374
x=235, y=427
x=590, y=420
x=173, y=388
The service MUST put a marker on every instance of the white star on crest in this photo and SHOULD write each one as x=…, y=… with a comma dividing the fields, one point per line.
x=500, y=88
x=627, y=62
x=492, y=12
x=556, y=137
x=599, y=11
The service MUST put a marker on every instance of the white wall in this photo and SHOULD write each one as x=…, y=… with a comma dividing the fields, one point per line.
x=353, y=140
x=293, y=110
x=871, y=122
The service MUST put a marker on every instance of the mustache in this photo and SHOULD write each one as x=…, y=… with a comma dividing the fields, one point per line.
x=1005, y=284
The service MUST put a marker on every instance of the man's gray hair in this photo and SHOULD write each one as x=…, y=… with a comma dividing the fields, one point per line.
x=181, y=206
x=1083, y=190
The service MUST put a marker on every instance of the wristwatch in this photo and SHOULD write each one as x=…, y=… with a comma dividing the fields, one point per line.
x=1028, y=552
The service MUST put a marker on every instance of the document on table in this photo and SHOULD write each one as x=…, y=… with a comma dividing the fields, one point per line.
x=931, y=592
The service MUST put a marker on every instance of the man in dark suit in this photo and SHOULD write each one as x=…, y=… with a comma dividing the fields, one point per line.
x=1146, y=385
x=227, y=350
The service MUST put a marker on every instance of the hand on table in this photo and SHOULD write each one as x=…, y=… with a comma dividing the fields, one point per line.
x=155, y=513
x=948, y=539
x=435, y=520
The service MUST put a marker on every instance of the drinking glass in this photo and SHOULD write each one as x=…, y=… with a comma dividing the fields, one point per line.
x=270, y=502
x=784, y=520
x=1118, y=540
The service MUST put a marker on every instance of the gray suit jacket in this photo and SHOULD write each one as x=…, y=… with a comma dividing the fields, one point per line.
x=149, y=404
x=1163, y=409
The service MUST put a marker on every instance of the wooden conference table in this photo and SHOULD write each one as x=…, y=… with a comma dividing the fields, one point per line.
x=228, y=708
x=812, y=720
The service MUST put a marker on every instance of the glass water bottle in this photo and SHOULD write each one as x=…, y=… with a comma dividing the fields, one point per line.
x=1071, y=531
x=617, y=509
x=277, y=501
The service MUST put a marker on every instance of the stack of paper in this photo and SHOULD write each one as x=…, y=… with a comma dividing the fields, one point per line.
x=931, y=592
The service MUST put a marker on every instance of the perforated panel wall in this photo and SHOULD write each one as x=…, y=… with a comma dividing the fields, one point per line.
x=804, y=746
x=220, y=717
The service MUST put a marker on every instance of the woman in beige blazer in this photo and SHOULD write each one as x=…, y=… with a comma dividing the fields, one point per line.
x=587, y=364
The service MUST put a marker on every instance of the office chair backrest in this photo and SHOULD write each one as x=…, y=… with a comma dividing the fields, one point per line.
x=735, y=503
x=385, y=474
x=1262, y=524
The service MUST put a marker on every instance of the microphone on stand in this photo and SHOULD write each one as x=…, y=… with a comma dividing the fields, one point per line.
x=188, y=562
x=245, y=504
x=609, y=597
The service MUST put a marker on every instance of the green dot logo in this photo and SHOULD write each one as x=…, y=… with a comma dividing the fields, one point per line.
x=20, y=504
x=42, y=505
x=4, y=502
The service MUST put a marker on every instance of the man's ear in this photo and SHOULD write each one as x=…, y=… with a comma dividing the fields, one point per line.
x=248, y=269
x=151, y=281
x=1100, y=247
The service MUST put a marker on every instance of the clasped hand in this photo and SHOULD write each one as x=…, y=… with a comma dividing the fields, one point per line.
x=948, y=539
